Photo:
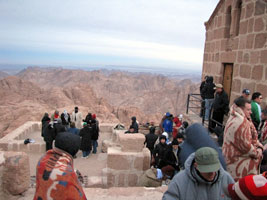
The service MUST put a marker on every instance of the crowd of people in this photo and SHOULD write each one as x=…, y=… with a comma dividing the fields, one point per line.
x=197, y=167
x=87, y=129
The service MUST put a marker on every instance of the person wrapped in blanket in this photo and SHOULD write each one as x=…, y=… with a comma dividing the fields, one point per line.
x=55, y=175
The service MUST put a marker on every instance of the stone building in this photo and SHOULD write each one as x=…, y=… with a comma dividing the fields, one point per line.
x=235, y=48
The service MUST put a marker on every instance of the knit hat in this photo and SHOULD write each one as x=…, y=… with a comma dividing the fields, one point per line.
x=175, y=142
x=68, y=142
x=251, y=187
x=207, y=160
x=93, y=116
x=162, y=137
x=168, y=114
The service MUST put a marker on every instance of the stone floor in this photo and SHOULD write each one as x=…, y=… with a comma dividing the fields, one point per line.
x=90, y=167
x=116, y=193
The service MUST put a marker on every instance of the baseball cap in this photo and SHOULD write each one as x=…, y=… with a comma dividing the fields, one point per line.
x=246, y=91
x=207, y=160
x=218, y=85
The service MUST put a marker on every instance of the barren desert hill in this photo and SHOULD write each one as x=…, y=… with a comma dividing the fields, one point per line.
x=150, y=93
x=23, y=101
x=3, y=75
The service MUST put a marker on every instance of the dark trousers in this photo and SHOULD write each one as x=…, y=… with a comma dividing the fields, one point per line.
x=95, y=145
x=218, y=117
x=49, y=145
x=202, y=108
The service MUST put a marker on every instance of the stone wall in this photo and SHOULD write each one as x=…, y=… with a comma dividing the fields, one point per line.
x=14, y=174
x=126, y=164
x=14, y=141
x=241, y=42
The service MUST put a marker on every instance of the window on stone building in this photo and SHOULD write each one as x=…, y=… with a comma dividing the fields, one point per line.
x=238, y=16
x=228, y=21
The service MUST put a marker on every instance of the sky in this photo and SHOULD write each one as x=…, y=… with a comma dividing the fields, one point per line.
x=155, y=33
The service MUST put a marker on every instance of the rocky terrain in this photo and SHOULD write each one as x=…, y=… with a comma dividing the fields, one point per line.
x=113, y=96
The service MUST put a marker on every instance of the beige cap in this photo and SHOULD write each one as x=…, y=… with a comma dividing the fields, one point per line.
x=218, y=85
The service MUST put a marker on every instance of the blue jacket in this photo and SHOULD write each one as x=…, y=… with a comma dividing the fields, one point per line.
x=167, y=125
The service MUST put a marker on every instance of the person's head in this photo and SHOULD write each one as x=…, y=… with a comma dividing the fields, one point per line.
x=264, y=114
x=68, y=142
x=94, y=116
x=168, y=114
x=180, y=117
x=76, y=109
x=256, y=96
x=175, y=144
x=167, y=171
x=72, y=124
x=207, y=162
x=246, y=93
x=152, y=129
x=251, y=187
x=218, y=88
x=179, y=138
x=133, y=118
x=244, y=104
x=46, y=115
x=56, y=112
x=185, y=124
x=84, y=124
x=162, y=139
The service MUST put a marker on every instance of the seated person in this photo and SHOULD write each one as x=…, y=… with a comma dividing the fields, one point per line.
x=131, y=130
x=153, y=177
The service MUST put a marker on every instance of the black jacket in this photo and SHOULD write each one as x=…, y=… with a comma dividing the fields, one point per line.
x=86, y=134
x=45, y=122
x=208, y=90
x=221, y=103
x=64, y=122
x=159, y=152
x=170, y=158
x=51, y=131
x=95, y=131
x=151, y=138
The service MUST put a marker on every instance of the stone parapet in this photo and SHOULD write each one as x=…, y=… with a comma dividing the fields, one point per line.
x=124, y=168
x=131, y=142
x=14, y=173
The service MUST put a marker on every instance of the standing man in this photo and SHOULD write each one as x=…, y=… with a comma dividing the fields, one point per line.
x=203, y=178
x=202, y=96
x=151, y=139
x=256, y=109
x=76, y=117
x=208, y=92
x=55, y=175
x=241, y=148
x=220, y=106
x=167, y=125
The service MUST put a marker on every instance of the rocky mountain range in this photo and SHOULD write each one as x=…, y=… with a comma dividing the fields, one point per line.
x=114, y=96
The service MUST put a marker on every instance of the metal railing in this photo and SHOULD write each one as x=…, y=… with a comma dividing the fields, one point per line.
x=195, y=105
